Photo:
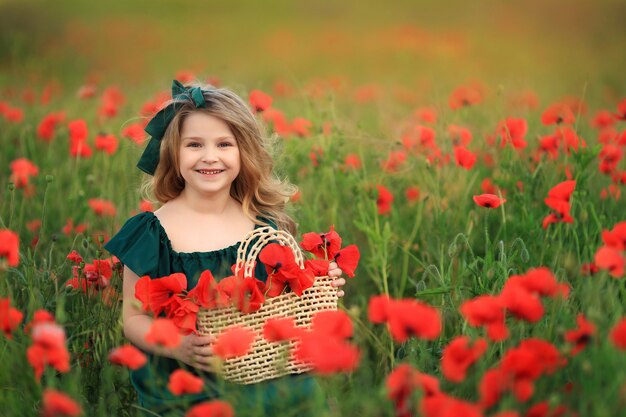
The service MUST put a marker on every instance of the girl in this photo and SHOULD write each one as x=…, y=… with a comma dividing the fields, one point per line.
x=213, y=175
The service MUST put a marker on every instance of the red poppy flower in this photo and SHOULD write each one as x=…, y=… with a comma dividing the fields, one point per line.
x=278, y=329
x=207, y=293
x=394, y=161
x=102, y=207
x=488, y=311
x=134, y=132
x=384, y=200
x=611, y=260
x=465, y=96
x=45, y=129
x=107, y=143
x=246, y=294
x=215, y=408
x=426, y=115
x=282, y=270
x=558, y=199
x=14, y=114
x=522, y=303
x=347, y=259
x=86, y=91
x=21, y=171
x=128, y=356
x=183, y=313
x=610, y=156
x=145, y=206
x=513, y=130
x=322, y=245
x=333, y=323
x=78, y=130
x=314, y=347
x=492, y=385
x=10, y=247
x=618, y=334
x=405, y=317
x=489, y=200
x=57, y=404
x=464, y=158
x=300, y=126
x=75, y=257
x=163, y=332
x=259, y=100
x=581, y=336
x=40, y=316
x=538, y=280
x=557, y=113
x=183, y=382
x=10, y=317
x=184, y=76
x=352, y=162
x=570, y=139
x=616, y=237
x=155, y=294
x=524, y=364
x=48, y=348
x=402, y=381
x=412, y=193
x=458, y=356
x=443, y=405
x=461, y=136
x=318, y=267
x=233, y=342
x=603, y=119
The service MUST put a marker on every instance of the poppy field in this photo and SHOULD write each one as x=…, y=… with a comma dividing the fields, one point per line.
x=463, y=164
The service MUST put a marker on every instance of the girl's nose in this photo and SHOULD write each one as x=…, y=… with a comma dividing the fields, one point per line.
x=209, y=155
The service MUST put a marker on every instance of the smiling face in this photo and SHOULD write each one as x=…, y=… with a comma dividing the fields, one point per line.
x=209, y=159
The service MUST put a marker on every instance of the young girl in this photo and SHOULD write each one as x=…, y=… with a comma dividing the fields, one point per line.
x=213, y=175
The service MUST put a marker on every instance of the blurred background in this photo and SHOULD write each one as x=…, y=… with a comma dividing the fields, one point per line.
x=557, y=46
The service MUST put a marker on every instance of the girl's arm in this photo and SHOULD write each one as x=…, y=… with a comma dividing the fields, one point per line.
x=193, y=350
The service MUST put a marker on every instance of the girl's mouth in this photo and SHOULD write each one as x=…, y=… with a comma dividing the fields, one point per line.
x=209, y=171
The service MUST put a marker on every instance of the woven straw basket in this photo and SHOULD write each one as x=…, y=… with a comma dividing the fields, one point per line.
x=268, y=360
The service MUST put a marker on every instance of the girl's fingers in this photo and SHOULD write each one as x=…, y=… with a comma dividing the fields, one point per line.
x=340, y=293
x=202, y=351
x=339, y=282
x=333, y=265
x=203, y=340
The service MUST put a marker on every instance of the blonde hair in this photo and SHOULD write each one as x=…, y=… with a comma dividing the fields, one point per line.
x=257, y=188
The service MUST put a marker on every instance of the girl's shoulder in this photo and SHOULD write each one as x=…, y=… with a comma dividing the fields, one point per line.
x=136, y=242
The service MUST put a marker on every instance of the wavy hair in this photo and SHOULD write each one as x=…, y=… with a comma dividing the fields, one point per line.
x=257, y=188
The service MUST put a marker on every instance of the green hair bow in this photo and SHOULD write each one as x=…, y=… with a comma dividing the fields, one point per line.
x=156, y=127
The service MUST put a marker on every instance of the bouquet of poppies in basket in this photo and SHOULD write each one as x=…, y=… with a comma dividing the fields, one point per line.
x=287, y=272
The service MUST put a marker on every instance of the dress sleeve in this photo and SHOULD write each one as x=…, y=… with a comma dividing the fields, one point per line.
x=137, y=244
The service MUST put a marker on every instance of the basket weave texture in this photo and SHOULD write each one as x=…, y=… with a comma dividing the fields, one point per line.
x=268, y=360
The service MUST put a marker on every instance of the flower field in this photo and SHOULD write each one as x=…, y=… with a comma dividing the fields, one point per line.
x=463, y=164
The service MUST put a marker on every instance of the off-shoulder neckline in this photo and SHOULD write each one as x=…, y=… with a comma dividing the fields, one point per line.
x=168, y=242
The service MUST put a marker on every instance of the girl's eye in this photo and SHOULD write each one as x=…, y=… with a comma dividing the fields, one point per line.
x=225, y=144
x=193, y=145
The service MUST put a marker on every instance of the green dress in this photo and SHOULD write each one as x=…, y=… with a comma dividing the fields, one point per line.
x=143, y=246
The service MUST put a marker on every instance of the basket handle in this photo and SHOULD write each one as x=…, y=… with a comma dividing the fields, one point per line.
x=264, y=235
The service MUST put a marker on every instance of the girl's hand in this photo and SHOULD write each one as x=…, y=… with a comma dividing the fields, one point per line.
x=196, y=351
x=334, y=271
